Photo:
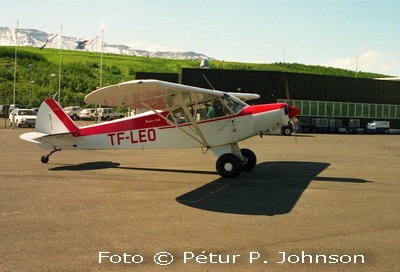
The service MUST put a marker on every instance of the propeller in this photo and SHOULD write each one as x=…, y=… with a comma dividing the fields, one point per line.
x=292, y=111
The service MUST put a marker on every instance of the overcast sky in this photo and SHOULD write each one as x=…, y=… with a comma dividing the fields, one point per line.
x=339, y=33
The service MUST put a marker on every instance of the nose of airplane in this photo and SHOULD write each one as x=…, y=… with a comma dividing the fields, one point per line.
x=293, y=111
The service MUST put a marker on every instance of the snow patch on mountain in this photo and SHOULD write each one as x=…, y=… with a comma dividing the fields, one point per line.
x=36, y=38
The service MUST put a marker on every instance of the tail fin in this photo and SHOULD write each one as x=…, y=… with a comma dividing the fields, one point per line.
x=51, y=119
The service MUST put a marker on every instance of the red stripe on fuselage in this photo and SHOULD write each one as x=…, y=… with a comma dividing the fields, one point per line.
x=155, y=121
x=129, y=123
x=64, y=118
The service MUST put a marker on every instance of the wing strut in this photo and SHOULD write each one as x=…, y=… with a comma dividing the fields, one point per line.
x=192, y=120
x=205, y=144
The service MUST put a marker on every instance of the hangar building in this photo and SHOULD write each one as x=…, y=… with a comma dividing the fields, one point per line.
x=324, y=97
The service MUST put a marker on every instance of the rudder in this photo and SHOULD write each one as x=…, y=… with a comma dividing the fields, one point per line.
x=51, y=119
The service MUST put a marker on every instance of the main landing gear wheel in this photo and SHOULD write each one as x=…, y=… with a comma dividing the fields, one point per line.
x=287, y=131
x=229, y=166
x=250, y=159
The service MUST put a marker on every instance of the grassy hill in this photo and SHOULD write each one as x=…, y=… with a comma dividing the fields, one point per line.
x=37, y=72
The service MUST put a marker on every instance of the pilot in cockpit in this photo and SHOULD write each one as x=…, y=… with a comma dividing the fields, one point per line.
x=215, y=110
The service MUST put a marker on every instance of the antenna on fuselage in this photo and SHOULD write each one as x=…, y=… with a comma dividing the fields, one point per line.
x=212, y=87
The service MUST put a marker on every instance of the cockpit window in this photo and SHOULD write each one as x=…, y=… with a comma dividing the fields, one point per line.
x=219, y=107
x=235, y=104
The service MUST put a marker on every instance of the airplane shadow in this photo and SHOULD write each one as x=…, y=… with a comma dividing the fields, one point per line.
x=272, y=188
x=107, y=164
x=86, y=166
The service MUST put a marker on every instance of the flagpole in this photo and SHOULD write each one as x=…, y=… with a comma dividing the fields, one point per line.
x=59, y=72
x=101, y=73
x=15, y=75
x=15, y=62
x=101, y=59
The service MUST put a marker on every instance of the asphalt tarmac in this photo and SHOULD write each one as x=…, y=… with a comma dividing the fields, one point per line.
x=314, y=202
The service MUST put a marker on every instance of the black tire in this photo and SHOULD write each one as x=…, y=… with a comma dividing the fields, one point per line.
x=287, y=131
x=229, y=166
x=44, y=159
x=250, y=159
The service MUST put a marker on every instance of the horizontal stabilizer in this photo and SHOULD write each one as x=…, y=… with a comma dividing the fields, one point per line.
x=35, y=137
x=32, y=136
x=51, y=123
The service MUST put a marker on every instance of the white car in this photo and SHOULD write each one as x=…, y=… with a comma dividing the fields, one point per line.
x=109, y=113
x=23, y=117
x=72, y=111
x=87, y=114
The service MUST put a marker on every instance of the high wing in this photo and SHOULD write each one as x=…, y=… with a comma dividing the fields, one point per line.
x=155, y=94
x=245, y=96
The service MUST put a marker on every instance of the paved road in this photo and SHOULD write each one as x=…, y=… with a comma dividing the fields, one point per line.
x=332, y=195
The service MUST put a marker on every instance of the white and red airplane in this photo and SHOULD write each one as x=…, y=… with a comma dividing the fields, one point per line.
x=179, y=116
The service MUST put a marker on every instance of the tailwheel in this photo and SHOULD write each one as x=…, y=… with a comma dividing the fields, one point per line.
x=45, y=158
x=229, y=166
x=250, y=159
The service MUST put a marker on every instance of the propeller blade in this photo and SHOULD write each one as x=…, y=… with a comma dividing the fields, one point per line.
x=287, y=91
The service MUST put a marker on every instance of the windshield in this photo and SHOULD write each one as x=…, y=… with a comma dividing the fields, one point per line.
x=26, y=112
x=219, y=107
x=235, y=104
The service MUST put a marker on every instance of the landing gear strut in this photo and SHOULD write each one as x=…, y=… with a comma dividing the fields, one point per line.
x=45, y=158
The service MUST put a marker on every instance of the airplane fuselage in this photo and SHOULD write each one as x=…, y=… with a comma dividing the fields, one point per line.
x=152, y=130
x=179, y=116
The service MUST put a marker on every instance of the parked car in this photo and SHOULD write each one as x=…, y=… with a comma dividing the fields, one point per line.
x=35, y=110
x=22, y=117
x=87, y=114
x=72, y=111
x=109, y=113
x=4, y=110
x=16, y=106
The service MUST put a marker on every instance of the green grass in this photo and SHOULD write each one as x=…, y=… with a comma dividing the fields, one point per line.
x=157, y=65
x=123, y=62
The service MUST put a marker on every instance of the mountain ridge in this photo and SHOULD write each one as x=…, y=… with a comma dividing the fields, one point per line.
x=36, y=38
